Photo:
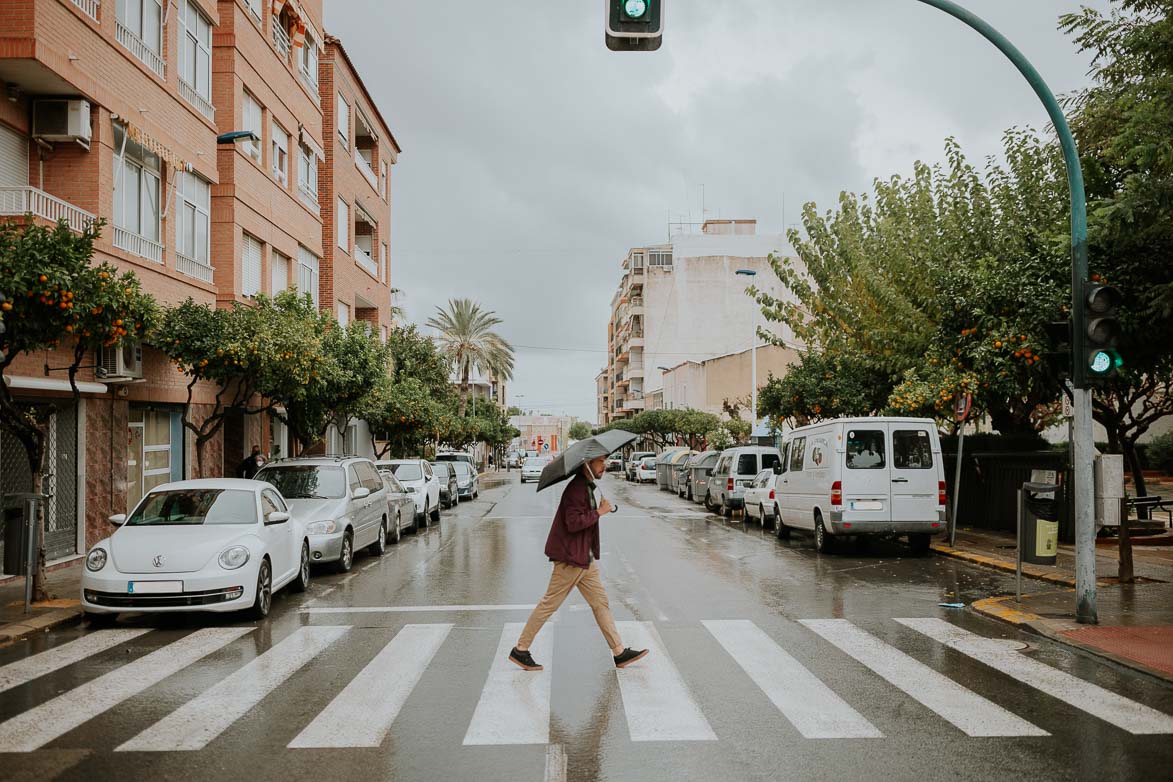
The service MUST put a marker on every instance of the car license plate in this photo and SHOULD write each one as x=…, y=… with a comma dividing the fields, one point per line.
x=867, y=505
x=153, y=587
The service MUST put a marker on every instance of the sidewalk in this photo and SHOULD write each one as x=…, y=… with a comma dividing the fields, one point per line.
x=1135, y=620
x=63, y=585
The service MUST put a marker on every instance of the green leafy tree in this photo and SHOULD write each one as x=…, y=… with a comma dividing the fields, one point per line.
x=580, y=430
x=738, y=428
x=56, y=298
x=719, y=439
x=412, y=410
x=467, y=337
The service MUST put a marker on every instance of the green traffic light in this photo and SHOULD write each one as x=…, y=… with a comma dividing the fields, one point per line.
x=634, y=9
x=1101, y=362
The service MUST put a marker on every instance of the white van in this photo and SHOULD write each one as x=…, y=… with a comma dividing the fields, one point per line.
x=863, y=476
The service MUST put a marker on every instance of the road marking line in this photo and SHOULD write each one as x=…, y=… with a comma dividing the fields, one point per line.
x=968, y=711
x=197, y=722
x=50, y=720
x=514, y=707
x=38, y=665
x=810, y=705
x=555, y=763
x=413, y=609
x=1115, y=709
x=657, y=702
x=361, y=715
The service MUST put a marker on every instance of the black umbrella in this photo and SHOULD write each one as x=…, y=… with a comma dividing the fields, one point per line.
x=573, y=458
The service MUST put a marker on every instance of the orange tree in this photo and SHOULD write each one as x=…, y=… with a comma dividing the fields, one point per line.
x=259, y=356
x=56, y=298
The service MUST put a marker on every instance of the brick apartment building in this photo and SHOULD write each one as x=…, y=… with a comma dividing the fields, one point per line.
x=113, y=110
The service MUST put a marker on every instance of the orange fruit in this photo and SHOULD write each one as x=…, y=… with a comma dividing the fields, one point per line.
x=43, y=278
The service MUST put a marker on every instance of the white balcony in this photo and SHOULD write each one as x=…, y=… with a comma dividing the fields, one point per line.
x=281, y=40
x=138, y=245
x=89, y=6
x=636, y=403
x=361, y=163
x=23, y=200
x=199, y=101
x=363, y=259
x=309, y=197
x=193, y=268
x=139, y=49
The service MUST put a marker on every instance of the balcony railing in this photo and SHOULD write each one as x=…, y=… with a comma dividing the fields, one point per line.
x=281, y=40
x=193, y=268
x=367, y=171
x=199, y=101
x=138, y=245
x=310, y=79
x=308, y=197
x=89, y=6
x=139, y=49
x=363, y=259
x=23, y=200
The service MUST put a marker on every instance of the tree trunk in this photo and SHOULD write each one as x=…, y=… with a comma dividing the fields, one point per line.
x=1124, y=568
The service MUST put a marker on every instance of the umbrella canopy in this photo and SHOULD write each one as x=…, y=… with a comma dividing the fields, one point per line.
x=573, y=458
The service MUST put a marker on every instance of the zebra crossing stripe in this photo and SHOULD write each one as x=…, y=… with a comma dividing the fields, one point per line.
x=657, y=702
x=968, y=711
x=514, y=707
x=38, y=726
x=1115, y=709
x=811, y=706
x=361, y=715
x=38, y=665
x=197, y=722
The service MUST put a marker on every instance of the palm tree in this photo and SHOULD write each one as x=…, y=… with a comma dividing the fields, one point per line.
x=468, y=339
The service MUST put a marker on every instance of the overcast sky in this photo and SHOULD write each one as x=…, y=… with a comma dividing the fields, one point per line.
x=533, y=157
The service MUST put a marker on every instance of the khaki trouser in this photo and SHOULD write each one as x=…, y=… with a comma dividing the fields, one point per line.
x=564, y=578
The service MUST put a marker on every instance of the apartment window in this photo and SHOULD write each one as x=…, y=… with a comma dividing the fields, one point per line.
x=278, y=272
x=342, y=224
x=136, y=188
x=343, y=121
x=195, y=209
x=195, y=59
x=307, y=174
x=383, y=178
x=280, y=154
x=660, y=258
x=307, y=61
x=343, y=314
x=307, y=273
x=250, y=119
x=255, y=7
x=250, y=272
x=140, y=24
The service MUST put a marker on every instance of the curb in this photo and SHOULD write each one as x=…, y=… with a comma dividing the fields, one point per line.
x=1031, y=571
x=16, y=631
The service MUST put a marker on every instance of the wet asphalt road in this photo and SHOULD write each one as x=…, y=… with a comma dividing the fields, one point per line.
x=866, y=697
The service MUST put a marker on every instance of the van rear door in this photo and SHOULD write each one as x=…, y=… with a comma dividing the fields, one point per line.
x=914, y=472
x=867, y=479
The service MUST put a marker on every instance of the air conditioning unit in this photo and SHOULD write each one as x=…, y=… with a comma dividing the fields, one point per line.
x=121, y=364
x=58, y=119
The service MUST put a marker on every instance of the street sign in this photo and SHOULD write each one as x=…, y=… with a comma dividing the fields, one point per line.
x=962, y=404
x=545, y=447
x=1068, y=410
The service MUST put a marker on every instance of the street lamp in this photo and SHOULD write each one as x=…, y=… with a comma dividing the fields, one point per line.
x=753, y=360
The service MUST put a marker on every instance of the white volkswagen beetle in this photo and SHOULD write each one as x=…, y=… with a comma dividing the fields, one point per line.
x=214, y=544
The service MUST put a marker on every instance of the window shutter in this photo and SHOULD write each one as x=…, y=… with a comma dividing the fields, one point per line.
x=14, y=159
x=251, y=273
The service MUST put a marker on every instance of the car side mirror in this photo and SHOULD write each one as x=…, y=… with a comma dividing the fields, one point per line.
x=277, y=517
x=118, y=519
x=777, y=469
x=360, y=493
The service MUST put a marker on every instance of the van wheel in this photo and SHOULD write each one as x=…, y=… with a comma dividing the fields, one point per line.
x=823, y=539
x=920, y=542
x=781, y=529
x=709, y=502
x=726, y=511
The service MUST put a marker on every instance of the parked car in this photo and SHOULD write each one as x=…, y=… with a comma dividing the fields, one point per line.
x=400, y=505
x=864, y=476
x=633, y=462
x=700, y=467
x=468, y=483
x=214, y=544
x=531, y=468
x=420, y=480
x=446, y=475
x=761, y=498
x=456, y=456
x=645, y=471
x=736, y=469
x=513, y=459
x=614, y=463
x=342, y=501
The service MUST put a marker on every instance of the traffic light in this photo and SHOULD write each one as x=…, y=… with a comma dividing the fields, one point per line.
x=634, y=25
x=1101, y=332
x=1058, y=358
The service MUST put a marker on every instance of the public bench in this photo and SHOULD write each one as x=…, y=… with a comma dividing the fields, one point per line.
x=1151, y=503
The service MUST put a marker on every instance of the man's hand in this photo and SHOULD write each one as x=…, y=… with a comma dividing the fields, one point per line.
x=605, y=507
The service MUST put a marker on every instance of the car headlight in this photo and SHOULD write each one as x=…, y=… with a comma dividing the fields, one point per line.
x=321, y=527
x=96, y=559
x=234, y=557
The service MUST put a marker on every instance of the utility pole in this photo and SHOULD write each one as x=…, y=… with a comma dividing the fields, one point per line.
x=753, y=360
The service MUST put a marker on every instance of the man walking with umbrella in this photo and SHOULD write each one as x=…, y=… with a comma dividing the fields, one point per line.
x=573, y=545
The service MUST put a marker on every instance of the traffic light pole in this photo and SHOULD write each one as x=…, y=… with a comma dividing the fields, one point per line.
x=1083, y=460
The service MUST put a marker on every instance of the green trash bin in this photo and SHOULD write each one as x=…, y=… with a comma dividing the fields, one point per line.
x=1038, y=514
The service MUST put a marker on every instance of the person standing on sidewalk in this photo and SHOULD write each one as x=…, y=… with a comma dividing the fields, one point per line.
x=573, y=547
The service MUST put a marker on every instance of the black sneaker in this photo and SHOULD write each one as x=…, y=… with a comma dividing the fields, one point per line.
x=628, y=656
x=524, y=659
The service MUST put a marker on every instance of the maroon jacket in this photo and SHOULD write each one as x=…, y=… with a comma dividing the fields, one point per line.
x=574, y=535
